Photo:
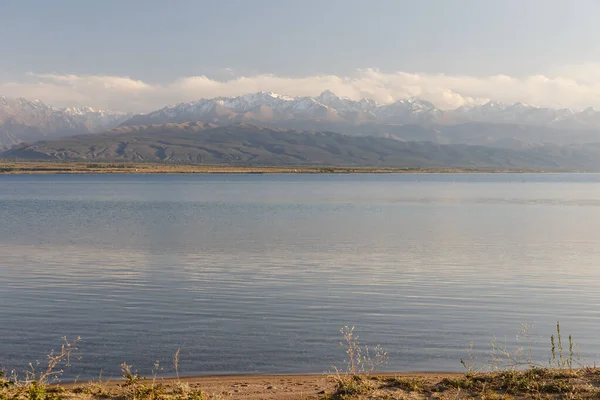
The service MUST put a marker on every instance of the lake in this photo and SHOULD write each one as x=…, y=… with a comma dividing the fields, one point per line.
x=257, y=273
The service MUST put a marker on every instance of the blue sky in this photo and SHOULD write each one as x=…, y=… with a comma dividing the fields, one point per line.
x=162, y=43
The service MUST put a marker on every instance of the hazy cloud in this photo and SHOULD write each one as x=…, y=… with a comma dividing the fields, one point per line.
x=575, y=86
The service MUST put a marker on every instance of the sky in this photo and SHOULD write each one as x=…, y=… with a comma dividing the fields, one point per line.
x=139, y=55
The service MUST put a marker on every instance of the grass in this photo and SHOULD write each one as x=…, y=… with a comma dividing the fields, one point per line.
x=510, y=374
x=533, y=383
x=43, y=383
x=518, y=378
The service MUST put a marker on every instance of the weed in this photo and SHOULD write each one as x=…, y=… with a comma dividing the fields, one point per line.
x=176, y=363
x=39, y=391
x=351, y=386
x=502, y=357
x=514, y=377
x=4, y=381
x=361, y=359
x=55, y=360
x=558, y=359
x=470, y=364
x=133, y=383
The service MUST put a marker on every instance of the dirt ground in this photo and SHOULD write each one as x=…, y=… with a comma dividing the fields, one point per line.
x=280, y=387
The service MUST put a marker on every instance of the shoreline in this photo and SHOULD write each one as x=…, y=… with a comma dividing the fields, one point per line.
x=270, y=386
x=556, y=381
x=31, y=167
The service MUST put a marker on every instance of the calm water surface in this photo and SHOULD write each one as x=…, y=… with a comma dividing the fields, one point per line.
x=257, y=273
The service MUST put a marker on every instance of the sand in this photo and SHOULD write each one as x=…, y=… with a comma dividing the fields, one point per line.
x=280, y=387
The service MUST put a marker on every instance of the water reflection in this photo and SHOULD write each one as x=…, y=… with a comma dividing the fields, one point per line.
x=257, y=274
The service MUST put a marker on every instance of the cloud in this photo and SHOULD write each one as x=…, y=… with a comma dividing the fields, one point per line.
x=574, y=86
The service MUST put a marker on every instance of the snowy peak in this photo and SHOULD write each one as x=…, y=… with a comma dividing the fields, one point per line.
x=80, y=110
x=328, y=97
x=276, y=108
x=273, y=107
x=15, y=105
x=327, y=106
x=30, y=120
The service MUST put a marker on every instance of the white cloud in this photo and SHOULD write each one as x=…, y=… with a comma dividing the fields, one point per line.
x=575, y=86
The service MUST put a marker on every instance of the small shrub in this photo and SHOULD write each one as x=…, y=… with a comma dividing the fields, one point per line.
x=38, y=391
x=418, y=385
x=361, y=359
x=57, y=360
x=351, y=386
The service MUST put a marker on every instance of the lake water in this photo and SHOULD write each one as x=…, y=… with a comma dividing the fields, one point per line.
x=257, y=273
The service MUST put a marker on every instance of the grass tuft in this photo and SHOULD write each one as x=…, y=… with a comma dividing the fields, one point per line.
x=519, y=379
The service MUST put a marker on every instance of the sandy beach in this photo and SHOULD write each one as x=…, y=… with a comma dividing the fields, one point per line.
x=273, y=387
x=509, y=384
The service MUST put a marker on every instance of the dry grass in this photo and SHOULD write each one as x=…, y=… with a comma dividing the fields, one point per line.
x=512, y=374
x=132, y=386
x=358, y=380
x=534, y=383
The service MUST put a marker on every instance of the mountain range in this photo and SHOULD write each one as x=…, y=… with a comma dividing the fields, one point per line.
x=268, y=128
x=24, y=120
x=491, y=124
x=269, y=107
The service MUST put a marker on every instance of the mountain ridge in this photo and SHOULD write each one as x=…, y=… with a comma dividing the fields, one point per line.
x=247, y=144
x=23, y=120
x=492, y=124
x=273, y=107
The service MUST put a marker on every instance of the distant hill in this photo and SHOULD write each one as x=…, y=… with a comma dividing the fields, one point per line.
x=503, y=135
x=244, y=144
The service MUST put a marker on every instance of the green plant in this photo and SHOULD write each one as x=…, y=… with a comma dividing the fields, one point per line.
x=558, y=359
x=137, y=386
x=361, y=360
x=39, y=391
x=4, y=381
x=351, y=386
x=132, y=381
x=470, y=364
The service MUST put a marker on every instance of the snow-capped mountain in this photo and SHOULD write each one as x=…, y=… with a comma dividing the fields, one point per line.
x=95, y=120
x=24, y=120
x=406, y=119
x=272, y=108
x=410, y=111
x=518, y=113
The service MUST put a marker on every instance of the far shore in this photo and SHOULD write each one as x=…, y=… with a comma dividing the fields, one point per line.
x=30, y=167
